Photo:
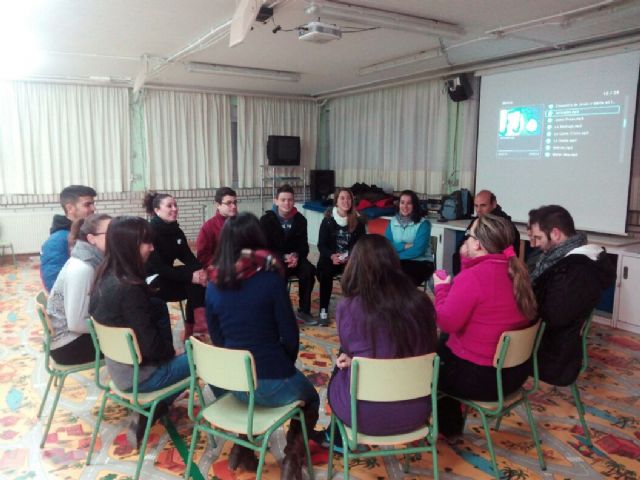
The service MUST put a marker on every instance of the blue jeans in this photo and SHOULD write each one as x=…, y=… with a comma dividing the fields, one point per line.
x=170, y=372
x=276, y=392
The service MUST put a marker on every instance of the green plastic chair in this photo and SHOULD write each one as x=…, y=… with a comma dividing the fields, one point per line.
x=514, y=348
x=227, y=417
x=8, y=246
x=389, y=380
x=120, y=344
x=56, y=372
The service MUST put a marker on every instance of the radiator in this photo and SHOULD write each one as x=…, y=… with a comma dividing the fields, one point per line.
x=26, y=230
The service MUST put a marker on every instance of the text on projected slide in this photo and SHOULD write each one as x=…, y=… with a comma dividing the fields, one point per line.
x=555, y=130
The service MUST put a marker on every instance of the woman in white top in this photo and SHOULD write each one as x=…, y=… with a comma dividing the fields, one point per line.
x=68, y=305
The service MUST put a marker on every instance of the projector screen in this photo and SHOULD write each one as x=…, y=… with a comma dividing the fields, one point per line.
x=561, y=134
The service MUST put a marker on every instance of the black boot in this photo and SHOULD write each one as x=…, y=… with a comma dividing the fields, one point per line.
x=161, y=410
x=293, y=453
x=242, y=456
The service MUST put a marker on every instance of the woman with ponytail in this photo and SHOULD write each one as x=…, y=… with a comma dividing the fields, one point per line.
x=68, y=305
x=492, y=294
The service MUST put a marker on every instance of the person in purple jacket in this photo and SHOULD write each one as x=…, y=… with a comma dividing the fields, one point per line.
x=383, y=315
x=491, y=294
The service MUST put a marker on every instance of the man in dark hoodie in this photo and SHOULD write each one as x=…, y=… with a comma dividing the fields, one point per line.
x=568, y=281
x=77, y=201
x=286, y=231
x=485, y=202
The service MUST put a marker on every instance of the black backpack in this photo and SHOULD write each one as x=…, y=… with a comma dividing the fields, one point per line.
x=457, y=205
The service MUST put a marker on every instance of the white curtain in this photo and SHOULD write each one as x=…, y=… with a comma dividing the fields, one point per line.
x=55, y=135
x=260, y=117
x=395, y=135
x=188, y=140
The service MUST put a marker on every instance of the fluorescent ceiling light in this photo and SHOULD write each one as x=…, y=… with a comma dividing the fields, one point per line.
x=383, y=18
x=197, y=67
x=401, y=61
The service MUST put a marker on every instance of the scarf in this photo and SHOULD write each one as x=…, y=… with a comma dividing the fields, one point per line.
x=404, y=221
x=87, y=253
x=557, y=253
x=251, y=262
x=341, y=221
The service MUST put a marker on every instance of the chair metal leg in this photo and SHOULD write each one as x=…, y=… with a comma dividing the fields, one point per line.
x=580, y=408
x=332, y=432
x=406, y=463
x=434, y=455
x=305, y=437
x=487, y=433
x=52, y=411
x=97, y=427
x=263, y=454
x=534, y=434
x=192, y=449
x=46, y=394
x=145, y=439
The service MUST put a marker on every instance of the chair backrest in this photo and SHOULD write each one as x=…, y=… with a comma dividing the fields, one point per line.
x=223, y=367
x=41, y=309
x=391, y=380
x=114, y=344
x=520, y=345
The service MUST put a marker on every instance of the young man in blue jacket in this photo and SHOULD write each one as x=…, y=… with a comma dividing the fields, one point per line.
x=77, y=201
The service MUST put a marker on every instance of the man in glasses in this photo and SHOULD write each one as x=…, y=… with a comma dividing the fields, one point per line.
x=226, y=206
x=568, y=281
x=77, y=201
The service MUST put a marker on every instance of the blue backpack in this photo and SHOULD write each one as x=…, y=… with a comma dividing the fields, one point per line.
x=457, y=206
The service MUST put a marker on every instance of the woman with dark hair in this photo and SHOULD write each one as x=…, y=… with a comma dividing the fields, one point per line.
x=491, y=294
x=174, y=283
x=410, y=234
x=68, y=304
x=120, y=298
x=381, y=316
x=340, y=229
x=248, y=308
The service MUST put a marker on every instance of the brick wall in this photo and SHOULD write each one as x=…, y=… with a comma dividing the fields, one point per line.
x=25, y=219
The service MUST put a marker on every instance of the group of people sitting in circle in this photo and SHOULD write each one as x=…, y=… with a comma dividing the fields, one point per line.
x=121, y=272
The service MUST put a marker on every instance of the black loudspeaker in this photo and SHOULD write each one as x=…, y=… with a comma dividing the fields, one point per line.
x=322, y=183
x=459, y=88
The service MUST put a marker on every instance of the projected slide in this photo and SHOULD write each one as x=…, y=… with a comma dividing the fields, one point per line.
x=561, y=134
x=554, y=130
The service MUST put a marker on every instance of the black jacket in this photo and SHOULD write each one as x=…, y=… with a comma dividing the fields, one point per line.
x=295, y=240
x=118, y=304
x=327, y=244
x=567, y=292
x=170, y=243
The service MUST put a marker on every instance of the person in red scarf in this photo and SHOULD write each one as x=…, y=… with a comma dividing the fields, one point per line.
x=248, y=308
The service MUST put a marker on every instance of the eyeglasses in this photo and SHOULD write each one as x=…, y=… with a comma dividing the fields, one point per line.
x=230, y=202
x=99, y=233
x=468, y=234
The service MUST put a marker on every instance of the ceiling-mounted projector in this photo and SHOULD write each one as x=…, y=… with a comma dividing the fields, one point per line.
x=319, y=32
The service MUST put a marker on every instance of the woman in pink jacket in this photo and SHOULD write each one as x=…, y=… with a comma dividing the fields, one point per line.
x=491, y=294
